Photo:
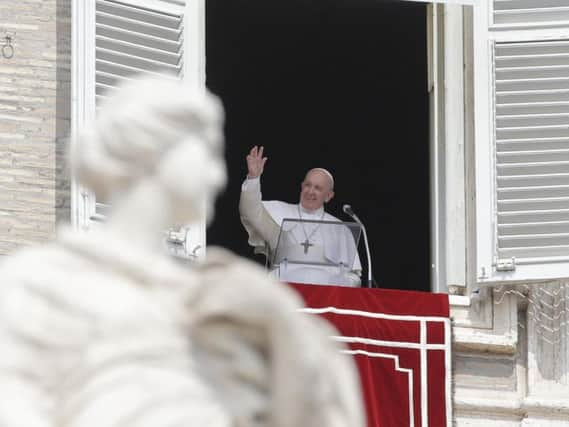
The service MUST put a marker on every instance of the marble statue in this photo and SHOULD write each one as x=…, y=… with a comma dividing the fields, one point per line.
x=104, y=328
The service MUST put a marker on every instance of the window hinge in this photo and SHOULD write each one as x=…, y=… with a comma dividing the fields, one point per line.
x=506, y=264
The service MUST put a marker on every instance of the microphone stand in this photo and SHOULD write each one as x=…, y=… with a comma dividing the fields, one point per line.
x=348, y=210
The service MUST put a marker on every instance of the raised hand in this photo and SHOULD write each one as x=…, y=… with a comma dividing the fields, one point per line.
x=255, y=162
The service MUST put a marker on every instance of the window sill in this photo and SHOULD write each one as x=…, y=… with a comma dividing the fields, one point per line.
x=459, y=301
x=480, y=325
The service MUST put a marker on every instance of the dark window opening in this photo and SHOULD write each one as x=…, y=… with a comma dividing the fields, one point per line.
x=340, y=84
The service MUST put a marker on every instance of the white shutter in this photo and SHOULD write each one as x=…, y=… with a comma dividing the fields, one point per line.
x=531, y=160
x=135, y=37
x=131, y=38
x=535, y=12
x=127, y=37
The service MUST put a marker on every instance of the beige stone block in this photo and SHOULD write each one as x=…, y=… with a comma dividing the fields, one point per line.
x=12, y=70
x=22, y=27
x=36, y=182
x=21, y=118
x=11, y=81
x=11, y=218
x=15, y=173
x=4, y=179
x=37, y=199
x=13, y=186
x=19, y=98
x=11, y=136
x=9, y=204
x=27, y=146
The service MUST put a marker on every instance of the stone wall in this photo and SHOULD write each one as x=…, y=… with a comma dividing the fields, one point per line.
x=34, y=120
x=513, y=370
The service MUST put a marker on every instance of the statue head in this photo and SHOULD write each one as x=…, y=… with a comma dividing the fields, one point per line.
x=158, y=130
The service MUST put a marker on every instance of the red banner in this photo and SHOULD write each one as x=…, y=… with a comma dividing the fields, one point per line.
x=401, y=341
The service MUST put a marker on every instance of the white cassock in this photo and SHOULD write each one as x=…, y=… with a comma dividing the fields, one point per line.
x=324, y=253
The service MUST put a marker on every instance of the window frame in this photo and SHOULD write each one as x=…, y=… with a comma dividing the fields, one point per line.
x=448, y=265
x=448, y=142
x=84, y=212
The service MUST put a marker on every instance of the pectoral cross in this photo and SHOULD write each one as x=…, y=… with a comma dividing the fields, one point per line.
x=306, y=245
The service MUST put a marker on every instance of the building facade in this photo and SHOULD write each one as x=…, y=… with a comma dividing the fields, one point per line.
x=35, y=95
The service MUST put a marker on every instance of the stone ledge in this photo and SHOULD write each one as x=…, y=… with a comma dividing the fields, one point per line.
x=467, y=339
x=513, y=405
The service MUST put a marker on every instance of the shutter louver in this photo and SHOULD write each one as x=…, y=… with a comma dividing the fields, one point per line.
x=532, y=149
x=508, y=12
x=132, y=39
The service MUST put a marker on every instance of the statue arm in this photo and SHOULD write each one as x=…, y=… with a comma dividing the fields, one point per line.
x=24, y=401
x=26, y=362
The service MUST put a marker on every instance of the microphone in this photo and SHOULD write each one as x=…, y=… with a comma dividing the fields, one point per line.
x=350, y=212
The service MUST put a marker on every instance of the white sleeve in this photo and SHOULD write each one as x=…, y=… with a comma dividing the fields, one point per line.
x=255, y=218
x=251, y=184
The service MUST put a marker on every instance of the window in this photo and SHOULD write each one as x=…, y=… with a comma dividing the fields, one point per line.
x=116, y=39
x=522, y=141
